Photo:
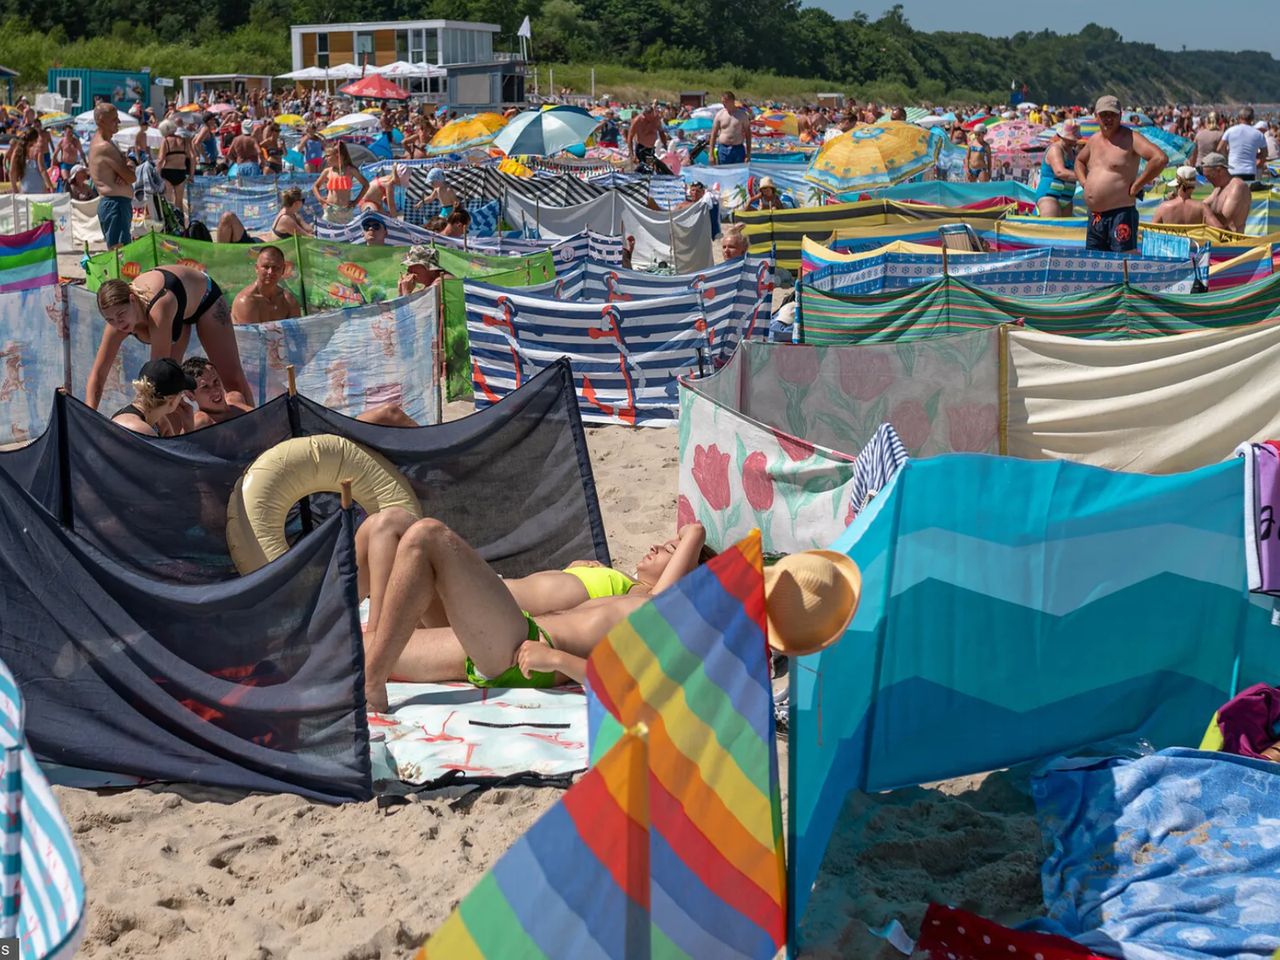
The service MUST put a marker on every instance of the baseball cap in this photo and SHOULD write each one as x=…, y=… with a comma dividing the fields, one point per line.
x=1261, y=125
x=166, y=377
x=1107, y=104
x=76, y=168
x=1213, y=160
x=372, y=220
x=1186, y=173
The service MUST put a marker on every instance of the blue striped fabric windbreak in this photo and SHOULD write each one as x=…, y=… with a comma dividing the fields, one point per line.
x=44, y=898
x=626, y=355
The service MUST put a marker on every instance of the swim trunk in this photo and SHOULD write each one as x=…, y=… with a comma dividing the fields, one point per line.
x=244, y=170
x=1113, y=230
x=115, y=214
x=512, y=676
x=731, y=153
x=602, y=581
x=1246, y=177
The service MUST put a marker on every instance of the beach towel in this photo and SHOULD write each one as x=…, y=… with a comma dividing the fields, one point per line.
x=877, y=463
x=458, y=732
x=1261, y=496
x=951, y=934
x=1171, y=856
x=1250, y=723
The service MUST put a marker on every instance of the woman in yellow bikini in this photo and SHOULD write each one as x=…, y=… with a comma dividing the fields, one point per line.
x=438, y=612
x=336, y=180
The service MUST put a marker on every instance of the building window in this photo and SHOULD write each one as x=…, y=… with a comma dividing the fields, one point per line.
x=364, y=48
x=322, y=50
x=402, y=45
x=69, y=87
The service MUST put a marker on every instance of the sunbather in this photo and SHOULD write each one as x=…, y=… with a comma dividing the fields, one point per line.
x=439, y=612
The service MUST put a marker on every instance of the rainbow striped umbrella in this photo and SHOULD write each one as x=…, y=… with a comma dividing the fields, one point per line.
x=672, y=844
x=878, y=155
x=783, y=121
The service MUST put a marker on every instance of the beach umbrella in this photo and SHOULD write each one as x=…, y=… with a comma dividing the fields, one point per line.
x=189, y=108
x=375, y=87
x=348, y=71
x=55, y=119
x=306, y=73
x=708, y=112
x=695, y=125
x=986, y=120
x=220, y=108
x=403, y=70
x=1009, y=136
x=289, y=120
x=125, y=138
x=86, y=119
x=472, y=131
x=781, y=121
x=879, y=155
x=544, y=133
x=350, y=124
x=1177, y=149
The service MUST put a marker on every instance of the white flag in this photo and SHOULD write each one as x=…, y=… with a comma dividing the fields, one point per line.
x=524, y=30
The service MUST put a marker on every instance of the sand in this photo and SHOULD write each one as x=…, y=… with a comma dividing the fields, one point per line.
x=187, y=872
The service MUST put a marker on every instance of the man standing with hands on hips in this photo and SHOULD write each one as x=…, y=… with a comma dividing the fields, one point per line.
x=1107, y=169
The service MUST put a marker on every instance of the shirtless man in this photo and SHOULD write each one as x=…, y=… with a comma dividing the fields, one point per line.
x=1180, y=208
x=1107, y=169
x=642, y=137
x=446, y=615
x=243, y=156
x=731, y=132
x=265, y=300
x=1230, y=200
x=113, y=178
x=217, y=404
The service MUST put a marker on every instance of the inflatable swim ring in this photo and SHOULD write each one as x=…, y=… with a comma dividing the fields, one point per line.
x=296, y=468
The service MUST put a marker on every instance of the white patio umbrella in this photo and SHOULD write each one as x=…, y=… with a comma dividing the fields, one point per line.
x=402, y=69
x=349, y=71
x=86, y=119
x=306, y=73
x=126, y=138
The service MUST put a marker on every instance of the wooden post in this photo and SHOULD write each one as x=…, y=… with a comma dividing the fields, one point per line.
x=346, y=493
x=293, y=380
x=1125, y=265
x=944, y=258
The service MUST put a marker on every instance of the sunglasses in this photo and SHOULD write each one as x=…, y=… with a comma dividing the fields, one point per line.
x=374, y=226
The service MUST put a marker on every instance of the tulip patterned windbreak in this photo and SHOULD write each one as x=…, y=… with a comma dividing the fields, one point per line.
x=771, y=440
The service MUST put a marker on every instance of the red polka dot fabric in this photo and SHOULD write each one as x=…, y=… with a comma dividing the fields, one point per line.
x=949, y=934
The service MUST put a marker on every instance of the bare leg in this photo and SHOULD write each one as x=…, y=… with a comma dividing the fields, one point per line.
x=179, y=192
x=377, y=541
x=1048, y=207
x=230, y=230
x=219, y=341
x=431, y=560
x=432, y=655
x=388, y=415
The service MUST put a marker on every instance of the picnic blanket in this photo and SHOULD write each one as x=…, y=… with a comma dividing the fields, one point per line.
x=1171, y=856
x=458, y=732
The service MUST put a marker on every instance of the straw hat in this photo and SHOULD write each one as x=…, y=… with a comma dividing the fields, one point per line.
x=810, y=598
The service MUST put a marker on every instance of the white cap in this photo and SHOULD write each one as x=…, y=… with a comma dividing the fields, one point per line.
x=1186, y=174
x=1262, y=125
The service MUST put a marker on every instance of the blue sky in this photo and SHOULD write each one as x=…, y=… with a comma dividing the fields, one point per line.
x=1199, y=24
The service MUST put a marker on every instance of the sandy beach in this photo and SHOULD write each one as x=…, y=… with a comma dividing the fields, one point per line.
x=183, y=871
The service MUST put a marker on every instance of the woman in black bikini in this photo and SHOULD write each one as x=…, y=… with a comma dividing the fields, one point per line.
x=157, y=395
x=289, y=221
x=175, y=163
x=272, y=151
x=161, y=308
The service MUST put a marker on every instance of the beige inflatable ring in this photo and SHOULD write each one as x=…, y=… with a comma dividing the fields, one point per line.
x=296, y=468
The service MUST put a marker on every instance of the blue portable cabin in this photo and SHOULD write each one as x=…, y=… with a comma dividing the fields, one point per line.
x=7, y=75
x=82, y=86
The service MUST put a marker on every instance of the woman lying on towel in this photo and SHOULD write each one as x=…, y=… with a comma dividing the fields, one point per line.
x=438, y=612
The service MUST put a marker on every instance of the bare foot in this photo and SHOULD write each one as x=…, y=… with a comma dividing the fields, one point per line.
x=376, y=699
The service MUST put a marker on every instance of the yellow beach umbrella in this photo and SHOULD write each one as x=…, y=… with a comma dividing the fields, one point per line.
x=290, y=120
x=189, y=108
x=873, y=156
x=465, y=133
